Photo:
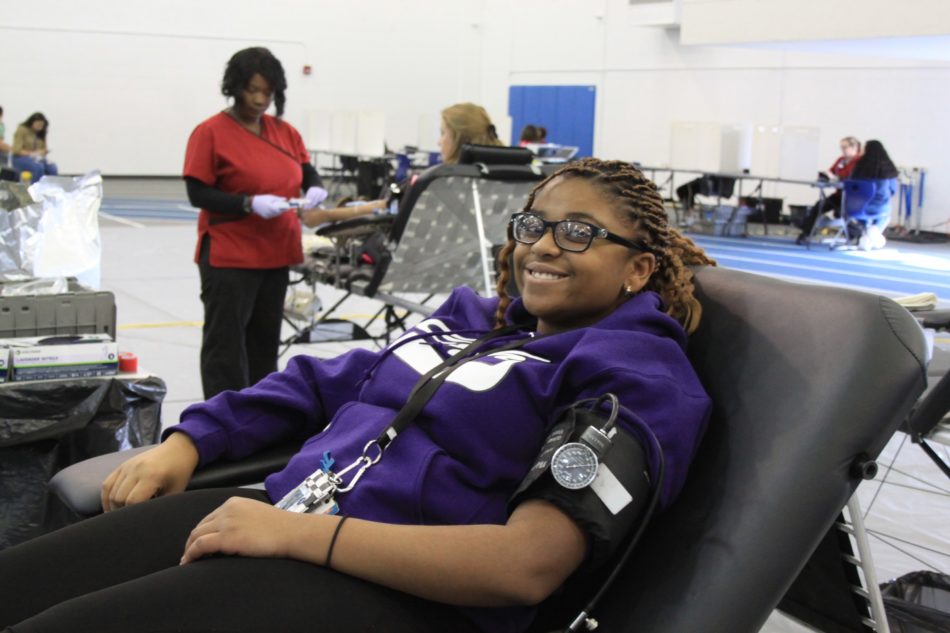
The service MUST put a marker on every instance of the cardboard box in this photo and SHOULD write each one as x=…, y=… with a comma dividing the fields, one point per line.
x=56, y=357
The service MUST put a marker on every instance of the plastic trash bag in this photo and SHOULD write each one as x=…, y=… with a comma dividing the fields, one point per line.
x=918, y=602
x=48, y=425
x=58, y=234
x=31, y=287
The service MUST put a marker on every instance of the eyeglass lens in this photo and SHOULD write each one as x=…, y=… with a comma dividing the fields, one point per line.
x=570, y=235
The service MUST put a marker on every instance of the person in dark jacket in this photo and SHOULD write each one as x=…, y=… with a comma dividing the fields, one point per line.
x=429, y=544
x=876, y=166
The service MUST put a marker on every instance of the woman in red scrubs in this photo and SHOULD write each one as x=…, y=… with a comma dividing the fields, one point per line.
x=241, y=167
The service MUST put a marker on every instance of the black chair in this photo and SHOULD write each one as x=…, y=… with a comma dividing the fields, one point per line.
x=809, y=383
x=926, y=423
x=434, y=243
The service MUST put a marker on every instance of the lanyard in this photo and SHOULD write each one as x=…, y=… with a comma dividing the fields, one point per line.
x=316, y=493
x=421, y=393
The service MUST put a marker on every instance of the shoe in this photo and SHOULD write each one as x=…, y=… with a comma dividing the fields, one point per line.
x=876, y=236
x=801, y=239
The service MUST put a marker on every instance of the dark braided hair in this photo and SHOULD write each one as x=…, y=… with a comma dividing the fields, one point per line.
x=248, y=62
x=642, y=207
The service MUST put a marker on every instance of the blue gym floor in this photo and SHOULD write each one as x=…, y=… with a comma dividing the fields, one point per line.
x=900, y=268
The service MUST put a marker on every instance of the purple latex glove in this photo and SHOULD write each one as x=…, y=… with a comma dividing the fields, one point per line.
x=268, y=206
x=314, y=196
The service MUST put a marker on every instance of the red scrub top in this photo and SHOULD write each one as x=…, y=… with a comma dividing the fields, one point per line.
x=223, y=154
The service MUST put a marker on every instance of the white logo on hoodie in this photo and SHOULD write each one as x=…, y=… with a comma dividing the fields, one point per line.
x=476, y=375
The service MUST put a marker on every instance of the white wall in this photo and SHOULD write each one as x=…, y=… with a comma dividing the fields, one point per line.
x=647, y=81
x=123, y=83
x=733, y=21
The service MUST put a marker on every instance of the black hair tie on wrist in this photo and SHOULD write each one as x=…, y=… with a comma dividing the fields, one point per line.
x=336, y=532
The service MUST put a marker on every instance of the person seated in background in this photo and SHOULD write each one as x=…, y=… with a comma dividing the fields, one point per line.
x=876, y=166
x=529, y=135
x=435, y=538
x=542, y=134
x=462, y=124
x=840, y=170
x=30, y=149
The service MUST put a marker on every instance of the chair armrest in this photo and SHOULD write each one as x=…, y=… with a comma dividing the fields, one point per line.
x=78, y=485
x=357, y=227
x=250, y=470
x=935, y=319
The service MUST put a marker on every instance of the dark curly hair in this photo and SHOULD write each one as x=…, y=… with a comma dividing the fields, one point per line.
x=246, y=63
x=642, y=207
x=33, y=118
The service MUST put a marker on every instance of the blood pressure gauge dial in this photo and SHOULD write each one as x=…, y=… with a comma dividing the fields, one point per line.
x=574, y=465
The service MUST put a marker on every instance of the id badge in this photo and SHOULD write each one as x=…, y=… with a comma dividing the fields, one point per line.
x=314, y=495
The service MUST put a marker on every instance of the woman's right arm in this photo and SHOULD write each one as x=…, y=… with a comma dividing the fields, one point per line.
x=316, y=217
x=165, y=469
x=213, y=199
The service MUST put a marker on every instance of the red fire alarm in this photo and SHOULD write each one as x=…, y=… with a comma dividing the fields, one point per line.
x=307, y=69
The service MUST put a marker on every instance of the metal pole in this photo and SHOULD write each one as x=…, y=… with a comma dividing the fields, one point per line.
x=484, y=246
x=878, y=614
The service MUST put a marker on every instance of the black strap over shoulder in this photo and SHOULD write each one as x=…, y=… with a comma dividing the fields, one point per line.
x=430, y=382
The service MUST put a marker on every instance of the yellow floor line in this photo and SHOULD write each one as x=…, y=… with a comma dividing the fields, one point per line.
x=144, y=326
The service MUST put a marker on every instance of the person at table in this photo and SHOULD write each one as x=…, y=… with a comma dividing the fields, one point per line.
x=840, y=170
x=242, y=167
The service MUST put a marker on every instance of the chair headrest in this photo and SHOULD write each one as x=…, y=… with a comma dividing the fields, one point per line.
x=494, y=155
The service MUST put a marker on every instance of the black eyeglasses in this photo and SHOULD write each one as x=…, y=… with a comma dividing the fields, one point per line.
x=575, y=236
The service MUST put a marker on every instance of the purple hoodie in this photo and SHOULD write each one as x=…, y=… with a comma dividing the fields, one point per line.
x=477, y=437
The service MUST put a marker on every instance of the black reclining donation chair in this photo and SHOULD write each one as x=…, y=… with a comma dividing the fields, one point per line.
x=808, y=384
x=447, y=221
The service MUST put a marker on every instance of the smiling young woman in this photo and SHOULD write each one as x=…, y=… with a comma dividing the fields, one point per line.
x=561, y=287
x=436, y=538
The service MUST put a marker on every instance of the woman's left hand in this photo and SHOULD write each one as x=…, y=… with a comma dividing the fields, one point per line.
x=314, y=196
x=242, y=527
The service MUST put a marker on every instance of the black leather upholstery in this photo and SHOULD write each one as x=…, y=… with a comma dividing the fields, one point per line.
x=804, y=379
x=471, y=154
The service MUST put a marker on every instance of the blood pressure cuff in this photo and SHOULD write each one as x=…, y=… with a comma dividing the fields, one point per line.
x=609, y=509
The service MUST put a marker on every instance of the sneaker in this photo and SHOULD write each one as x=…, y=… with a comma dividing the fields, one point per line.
x=875, y=236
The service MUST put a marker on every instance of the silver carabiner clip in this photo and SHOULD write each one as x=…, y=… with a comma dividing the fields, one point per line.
x=364, y=462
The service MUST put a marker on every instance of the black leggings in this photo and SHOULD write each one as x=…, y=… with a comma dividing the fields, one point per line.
x=119, y=572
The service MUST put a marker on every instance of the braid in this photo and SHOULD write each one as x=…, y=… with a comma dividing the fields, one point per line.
x=504, y=274
x=643, y=207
